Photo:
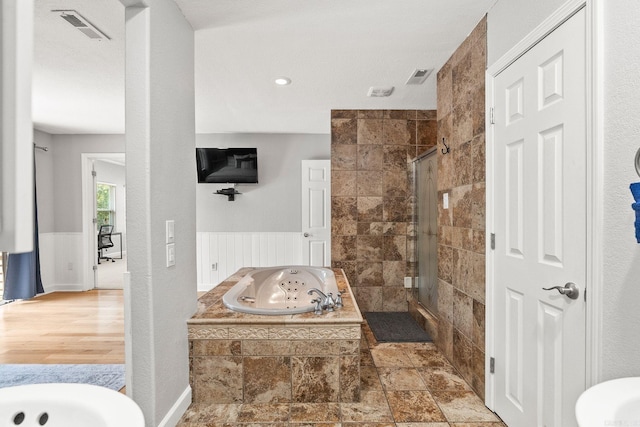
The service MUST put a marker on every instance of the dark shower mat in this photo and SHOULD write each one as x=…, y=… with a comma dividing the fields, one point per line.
x=395, y=327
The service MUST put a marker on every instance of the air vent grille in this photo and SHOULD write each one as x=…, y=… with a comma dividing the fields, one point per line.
x=82, y=24
x=419, y=76
x=90, y=33
x=73, y=20
x=380, y=92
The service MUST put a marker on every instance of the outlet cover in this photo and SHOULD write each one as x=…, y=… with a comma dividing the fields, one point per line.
x=407, y=282
x=445, y=201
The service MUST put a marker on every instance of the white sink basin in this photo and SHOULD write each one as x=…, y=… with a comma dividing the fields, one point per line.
x=67, y=405
x=611, y=403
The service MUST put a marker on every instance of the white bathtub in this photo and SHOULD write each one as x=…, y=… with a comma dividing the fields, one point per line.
x=279, y=290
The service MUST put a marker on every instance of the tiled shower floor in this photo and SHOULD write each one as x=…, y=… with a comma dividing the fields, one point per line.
x=405, y=385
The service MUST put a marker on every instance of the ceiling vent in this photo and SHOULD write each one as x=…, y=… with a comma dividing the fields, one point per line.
x=419, y=76
x=380, y=92
x=82, y=24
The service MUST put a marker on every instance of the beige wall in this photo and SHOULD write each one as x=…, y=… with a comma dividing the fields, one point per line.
x=371, y=153
x=461, y=227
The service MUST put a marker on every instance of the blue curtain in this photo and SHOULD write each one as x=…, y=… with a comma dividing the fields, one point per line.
x=22, y=279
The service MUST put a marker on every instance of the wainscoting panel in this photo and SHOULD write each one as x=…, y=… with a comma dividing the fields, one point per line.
x=61, y=261
x=47, y=243
x=222, y=254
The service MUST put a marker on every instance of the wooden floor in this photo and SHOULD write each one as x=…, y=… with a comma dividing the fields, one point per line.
x=64, y=327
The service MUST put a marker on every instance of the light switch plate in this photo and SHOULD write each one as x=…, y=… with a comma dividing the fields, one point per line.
x=171, y=254
x=445, y=201
x=170, y=231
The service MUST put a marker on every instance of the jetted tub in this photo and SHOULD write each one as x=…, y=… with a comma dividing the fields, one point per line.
x=290, y=358
x=279, y=290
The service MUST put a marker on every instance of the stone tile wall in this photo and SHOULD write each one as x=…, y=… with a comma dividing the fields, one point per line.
x=275, y=371
x=461, y=228
x=371, y=195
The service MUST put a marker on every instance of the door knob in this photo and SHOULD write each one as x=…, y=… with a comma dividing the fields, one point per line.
x=570, y=290
x=306, y=234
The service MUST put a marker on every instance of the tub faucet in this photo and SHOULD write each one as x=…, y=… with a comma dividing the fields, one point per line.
x=318, y=308
x=338, y=303
x=327, y=299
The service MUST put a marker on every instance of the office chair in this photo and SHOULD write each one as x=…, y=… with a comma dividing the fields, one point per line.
x=104, y=241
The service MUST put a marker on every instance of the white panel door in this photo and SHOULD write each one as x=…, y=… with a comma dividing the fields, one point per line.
x=539, y=158
x=316, y=212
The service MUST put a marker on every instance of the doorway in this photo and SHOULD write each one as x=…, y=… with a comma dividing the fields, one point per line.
x=104, y=209
x=426, y=220
x=316, y=213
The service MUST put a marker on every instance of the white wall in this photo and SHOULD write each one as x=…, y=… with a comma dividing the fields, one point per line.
x=509, y=21
x=272, y=205
x=67, y=150
x=621, y=316
x=160, y=142
x=44, y=182
x=45, y=190
x=59, y=188
x=60, y=252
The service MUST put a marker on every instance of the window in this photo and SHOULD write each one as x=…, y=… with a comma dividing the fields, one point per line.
x=106, y=204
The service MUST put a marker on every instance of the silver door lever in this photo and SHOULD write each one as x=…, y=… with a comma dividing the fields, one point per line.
x=570, y=290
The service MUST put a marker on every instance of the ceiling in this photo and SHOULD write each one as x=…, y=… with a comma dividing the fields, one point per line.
x=332, y=50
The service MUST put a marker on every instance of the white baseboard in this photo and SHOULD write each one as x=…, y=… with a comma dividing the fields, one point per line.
x=63, y=287
x=177, y=410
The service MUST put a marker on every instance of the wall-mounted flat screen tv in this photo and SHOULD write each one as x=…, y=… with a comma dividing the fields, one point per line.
x=227, y=165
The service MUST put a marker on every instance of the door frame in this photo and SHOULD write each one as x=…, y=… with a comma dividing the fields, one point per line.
x=89, y=238
x=594, y=184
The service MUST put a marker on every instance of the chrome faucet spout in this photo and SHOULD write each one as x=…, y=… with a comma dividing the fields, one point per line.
x=317, y=291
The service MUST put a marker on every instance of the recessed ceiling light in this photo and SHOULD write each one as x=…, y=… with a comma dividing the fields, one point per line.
x=283, y=81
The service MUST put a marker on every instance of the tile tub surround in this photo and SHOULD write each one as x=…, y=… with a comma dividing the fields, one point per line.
x=259, y=359
x=404, y=385
x=371, y=196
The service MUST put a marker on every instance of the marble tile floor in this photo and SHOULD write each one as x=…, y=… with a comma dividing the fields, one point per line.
x=403, y=384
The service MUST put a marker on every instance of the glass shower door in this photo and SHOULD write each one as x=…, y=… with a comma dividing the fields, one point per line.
x=427, y=226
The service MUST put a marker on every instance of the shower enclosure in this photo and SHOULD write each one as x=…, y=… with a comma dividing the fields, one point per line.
x=425, y=219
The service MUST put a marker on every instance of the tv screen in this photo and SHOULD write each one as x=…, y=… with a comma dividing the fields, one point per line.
x=227, y=165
